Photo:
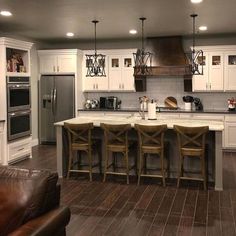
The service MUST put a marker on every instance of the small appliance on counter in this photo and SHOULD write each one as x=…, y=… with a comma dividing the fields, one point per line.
x=91, y=104
x=231, y=104
x=198, y=104
x=110, y=102
x=152, y=115
x=188, y=100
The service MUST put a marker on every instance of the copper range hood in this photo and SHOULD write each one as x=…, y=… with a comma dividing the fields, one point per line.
x=169, y=60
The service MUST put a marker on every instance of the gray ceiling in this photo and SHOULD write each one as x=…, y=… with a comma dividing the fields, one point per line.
x=51, y=19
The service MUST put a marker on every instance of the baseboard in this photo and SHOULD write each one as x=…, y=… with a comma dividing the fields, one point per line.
x=35, y=142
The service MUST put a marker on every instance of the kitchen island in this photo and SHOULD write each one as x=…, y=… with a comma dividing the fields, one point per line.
x=214, y=139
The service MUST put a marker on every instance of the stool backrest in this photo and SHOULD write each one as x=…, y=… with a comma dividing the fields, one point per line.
x=79, y=133
x=191, y=136
x=116, y=133
x=151, y=134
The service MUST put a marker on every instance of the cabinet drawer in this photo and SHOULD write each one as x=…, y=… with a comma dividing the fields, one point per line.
x=209, y=117
x=19, y=149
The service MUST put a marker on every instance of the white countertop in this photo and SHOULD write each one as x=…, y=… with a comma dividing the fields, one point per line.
x=97, y=120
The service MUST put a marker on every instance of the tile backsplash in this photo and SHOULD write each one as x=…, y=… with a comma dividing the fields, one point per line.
x=160, y=88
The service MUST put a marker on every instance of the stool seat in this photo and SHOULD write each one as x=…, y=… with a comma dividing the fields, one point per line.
x=192, y=142
x=80, y=140
x=151, y=141
x=116, y=141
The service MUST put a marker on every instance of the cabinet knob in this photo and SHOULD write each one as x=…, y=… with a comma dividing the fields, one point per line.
x=54, y=69
x=97, y=86
x=57, y=68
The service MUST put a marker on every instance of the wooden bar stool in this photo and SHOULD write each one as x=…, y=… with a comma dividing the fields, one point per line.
x=80, y=140
x=191, y=141
x=116, y=141
x=151, y=141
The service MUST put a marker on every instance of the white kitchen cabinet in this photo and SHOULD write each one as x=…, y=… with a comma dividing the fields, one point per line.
x=213, y=72
x=230, y=132
x=230, y=71
x=94, y=84
x=118, y=69
x=57, y=61
x=1, y=141
x=19, y=149
x=121, y=72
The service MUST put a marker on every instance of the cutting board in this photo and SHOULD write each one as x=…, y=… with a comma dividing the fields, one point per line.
x=170, y=102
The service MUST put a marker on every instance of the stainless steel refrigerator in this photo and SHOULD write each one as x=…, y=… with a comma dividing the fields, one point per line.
x=57, y=102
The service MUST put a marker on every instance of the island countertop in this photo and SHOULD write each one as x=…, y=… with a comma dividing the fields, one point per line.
x=97, y=120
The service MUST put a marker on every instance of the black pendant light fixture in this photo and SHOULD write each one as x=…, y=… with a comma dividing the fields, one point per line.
x=95, y=63
x=196, y=56
x=142, y=59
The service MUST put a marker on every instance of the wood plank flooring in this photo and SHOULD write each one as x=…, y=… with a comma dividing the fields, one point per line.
x=114, y=208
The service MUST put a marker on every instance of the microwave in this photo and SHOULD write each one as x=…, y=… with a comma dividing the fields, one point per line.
x=110, y=102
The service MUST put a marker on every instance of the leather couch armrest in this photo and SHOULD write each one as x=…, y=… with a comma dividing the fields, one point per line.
x=48, y=224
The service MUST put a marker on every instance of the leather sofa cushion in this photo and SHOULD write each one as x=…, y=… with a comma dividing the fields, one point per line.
x=23, y=196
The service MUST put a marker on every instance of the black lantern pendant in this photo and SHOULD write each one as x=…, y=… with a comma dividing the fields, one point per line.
x=142, y=59
x=95, y=63
x=196, y=57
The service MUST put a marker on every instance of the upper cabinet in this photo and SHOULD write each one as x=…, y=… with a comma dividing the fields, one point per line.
x=57, y=61
x=230, y=71
x=94, y=84
x=213, y=72
x=119, y=72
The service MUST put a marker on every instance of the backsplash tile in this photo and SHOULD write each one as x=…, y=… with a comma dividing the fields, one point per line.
x=160, y=88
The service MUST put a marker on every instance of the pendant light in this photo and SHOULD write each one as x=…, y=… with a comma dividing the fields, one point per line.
x=196, y=57
x=95, y=63
x=142, y=59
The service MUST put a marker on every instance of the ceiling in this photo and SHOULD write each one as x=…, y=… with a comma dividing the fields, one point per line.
x=51, y=19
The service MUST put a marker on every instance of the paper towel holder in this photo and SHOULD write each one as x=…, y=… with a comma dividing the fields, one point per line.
x=152, y=110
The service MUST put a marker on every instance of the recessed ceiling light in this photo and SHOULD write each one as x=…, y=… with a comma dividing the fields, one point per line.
x=69, y=34
x=133, y=31
x=203, y=28
x=196, y=1
x=5, y=13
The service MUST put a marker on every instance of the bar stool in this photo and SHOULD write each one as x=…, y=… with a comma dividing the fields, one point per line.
x=191, y=141
x=116, y=141
x=151, y=141
x=80, y=140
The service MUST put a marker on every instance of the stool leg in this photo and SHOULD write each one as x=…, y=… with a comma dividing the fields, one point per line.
x=105, y=165
x=69, y=164
x=114, y=154
x=100, y=159
x=127, y=166
x=140, y=166
x=180, y=169
x=162, y=169
x=90, y=163
x=203, y=171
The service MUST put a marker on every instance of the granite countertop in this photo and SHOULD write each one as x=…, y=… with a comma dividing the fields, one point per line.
x=164, y=110
x=97, y=120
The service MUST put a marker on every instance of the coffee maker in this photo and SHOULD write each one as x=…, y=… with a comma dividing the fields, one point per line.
x=198, y=104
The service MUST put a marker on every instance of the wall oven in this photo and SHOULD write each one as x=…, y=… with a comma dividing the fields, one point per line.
x=18, y=93
x=19, y=124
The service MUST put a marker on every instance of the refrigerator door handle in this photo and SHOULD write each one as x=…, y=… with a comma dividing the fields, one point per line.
x=52, y=97
x=55, y=101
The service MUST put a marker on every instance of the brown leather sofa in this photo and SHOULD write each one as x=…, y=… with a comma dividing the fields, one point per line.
x=29, y=203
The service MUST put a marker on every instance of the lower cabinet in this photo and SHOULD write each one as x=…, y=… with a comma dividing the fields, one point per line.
x=230, y=132
x=19, y=149
x=1, y=141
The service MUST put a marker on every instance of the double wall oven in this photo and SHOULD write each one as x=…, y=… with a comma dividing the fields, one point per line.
x=18, y=107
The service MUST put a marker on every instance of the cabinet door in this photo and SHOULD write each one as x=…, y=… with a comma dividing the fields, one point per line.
x=230, y=72
x=89, y=84
x=230, y=134
x=48, y=64
x=216, y=70
x=200, y=82
x=115, y=75
x=128, y=73
x=66, y=63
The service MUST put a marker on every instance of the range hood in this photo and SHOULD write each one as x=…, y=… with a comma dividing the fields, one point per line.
x=169, y=60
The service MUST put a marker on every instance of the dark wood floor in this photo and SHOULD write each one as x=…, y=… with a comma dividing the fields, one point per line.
x=114, y=208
